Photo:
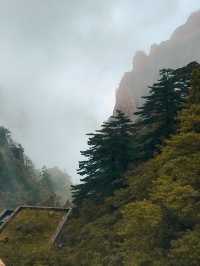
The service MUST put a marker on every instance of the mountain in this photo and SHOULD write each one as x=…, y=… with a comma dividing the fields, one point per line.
x=21, y=183
x=18, y=178
x=179, y=50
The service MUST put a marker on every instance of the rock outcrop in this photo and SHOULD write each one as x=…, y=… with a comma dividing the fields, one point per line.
x=182, y=48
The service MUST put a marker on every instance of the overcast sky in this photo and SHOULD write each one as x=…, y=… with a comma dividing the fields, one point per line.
x=61, y=62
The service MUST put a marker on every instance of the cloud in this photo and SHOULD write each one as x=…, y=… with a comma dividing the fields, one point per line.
x=60, y=62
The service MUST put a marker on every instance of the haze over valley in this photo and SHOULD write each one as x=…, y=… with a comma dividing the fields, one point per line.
x=61, y=65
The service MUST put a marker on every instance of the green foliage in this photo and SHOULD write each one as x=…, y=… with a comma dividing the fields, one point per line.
x=21, y=183
x=26, y=239
x=155, y=220
x=109, y=154
x=175, y=192
x=18, y=183
x=186, y=249
x=141, y=228
x=157, y=118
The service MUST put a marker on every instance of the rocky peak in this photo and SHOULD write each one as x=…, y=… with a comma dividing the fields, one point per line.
x=181, y=49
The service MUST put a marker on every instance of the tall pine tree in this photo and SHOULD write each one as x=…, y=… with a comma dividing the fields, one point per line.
x=110, y=152
x=157, y=118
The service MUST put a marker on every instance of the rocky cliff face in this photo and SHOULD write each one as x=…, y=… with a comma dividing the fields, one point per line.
x=182, y=48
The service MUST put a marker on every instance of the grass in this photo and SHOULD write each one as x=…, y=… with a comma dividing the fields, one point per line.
x=28, y=233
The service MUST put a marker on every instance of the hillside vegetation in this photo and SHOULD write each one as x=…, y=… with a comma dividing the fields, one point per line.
x=155, y=219
x=30, y=231
x=139, y=200
x=21, y=183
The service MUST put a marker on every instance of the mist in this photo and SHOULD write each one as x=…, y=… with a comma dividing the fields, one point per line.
x=61, y=62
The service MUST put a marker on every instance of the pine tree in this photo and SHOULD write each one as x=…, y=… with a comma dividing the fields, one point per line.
x=109, y=154
x=195, y=92
x=157, y=118
x=190, y=119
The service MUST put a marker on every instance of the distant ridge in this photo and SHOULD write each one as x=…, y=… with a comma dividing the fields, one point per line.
x=182, y=48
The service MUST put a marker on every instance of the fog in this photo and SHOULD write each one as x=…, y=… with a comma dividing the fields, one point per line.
x=61, y=62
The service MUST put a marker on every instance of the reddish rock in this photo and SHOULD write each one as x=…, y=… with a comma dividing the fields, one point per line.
x=181, y=49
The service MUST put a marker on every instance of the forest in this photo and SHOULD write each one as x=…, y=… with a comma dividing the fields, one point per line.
x=138, y=202
x=21, y=183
